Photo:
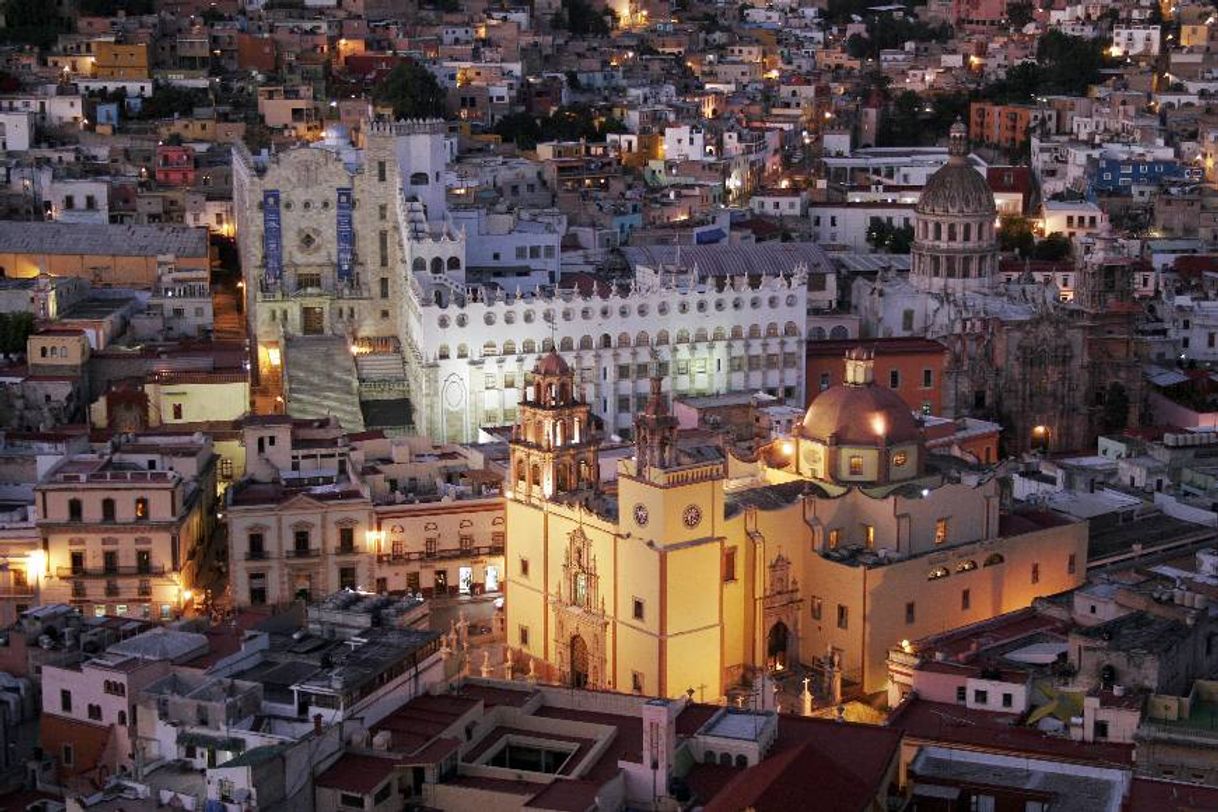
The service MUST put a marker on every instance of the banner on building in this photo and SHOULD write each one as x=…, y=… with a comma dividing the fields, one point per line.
x=346, y=234
x=272, y=236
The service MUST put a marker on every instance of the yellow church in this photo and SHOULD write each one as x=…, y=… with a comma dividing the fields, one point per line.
x=694, y=568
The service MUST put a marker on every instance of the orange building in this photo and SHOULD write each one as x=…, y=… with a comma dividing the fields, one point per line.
x=911, y=366
x=1006, y=125
x=117, y=60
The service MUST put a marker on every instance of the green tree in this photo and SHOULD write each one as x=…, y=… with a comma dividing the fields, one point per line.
x=1015, y=234
x=888, y=238
x=15, y=328
x=1019, y=13
x=1115, y=416
x=580, y=17
x=1052, y=248
x=521, y=129
x=31, y=22
x=412, y=91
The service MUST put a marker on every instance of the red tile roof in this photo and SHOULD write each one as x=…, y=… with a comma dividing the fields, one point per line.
x=997, y=733
x=845, y=766
x=360, y=775
x=1154, y=795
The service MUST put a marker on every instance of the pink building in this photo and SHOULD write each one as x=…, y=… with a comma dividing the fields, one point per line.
x=175, y=165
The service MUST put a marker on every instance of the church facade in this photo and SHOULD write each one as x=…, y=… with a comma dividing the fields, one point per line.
x=1055, y=374
x=358, y=245
x=696, y=569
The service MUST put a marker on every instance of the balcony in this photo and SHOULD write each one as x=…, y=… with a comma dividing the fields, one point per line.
x=109, y=572
x=304, y=552
x=440, y=555
x=256, y=555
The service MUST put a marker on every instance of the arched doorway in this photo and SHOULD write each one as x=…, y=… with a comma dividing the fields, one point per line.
x=776, y=646
x=579, y=662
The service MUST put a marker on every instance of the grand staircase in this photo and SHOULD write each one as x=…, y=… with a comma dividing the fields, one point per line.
x=383, y=389
x=322, y=380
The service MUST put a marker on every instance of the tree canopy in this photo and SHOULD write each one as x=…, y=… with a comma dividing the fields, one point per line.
x=31, y=22
x=568, y=123
x=412, y=91
x=888, y=238
x=1065, y=65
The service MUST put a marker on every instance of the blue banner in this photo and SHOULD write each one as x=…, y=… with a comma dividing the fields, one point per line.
x=346, y=235
x=272, y=236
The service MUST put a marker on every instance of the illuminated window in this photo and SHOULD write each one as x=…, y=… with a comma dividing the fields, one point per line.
x=869, y=535
x=940, y=531
x=899, y=459
x=937, y=573
x=141, y=508
x=835, y=538
x=856, y=465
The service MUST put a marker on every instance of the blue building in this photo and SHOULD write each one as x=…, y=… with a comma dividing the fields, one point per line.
x=1120, y=175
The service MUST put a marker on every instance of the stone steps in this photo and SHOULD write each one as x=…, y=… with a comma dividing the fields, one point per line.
x=321, y=380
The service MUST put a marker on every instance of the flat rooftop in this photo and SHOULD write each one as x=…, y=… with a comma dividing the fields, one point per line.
x=101, y=239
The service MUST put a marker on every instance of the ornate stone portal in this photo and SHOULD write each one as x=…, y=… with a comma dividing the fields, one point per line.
x=580, y=624
x=781, y=615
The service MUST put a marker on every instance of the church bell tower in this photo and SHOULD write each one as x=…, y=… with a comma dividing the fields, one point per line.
x=553, y=448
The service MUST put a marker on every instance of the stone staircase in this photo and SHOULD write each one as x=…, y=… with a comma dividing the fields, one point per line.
x=321, y=380
x=380, y=366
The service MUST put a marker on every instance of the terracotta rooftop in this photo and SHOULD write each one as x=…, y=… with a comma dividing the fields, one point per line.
x=997, y=732
x=356, y=774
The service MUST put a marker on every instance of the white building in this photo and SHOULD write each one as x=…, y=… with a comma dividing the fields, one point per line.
x=1074, y=218
x=1135, y=40
x=16, y=130
x=684, y=143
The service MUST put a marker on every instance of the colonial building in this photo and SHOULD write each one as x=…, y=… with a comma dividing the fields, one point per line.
x=319, y=510
x=1055, y=373
x=124, y=531
x=363, y=293
x=834, y=544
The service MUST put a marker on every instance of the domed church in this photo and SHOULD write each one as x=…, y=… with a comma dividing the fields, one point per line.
x=686, y=568
x=1018, y=354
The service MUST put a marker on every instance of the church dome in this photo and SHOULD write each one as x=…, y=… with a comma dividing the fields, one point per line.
x=860, y=413
x=552, y=364
x=957, y=188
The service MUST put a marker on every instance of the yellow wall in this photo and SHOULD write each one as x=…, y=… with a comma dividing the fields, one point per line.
x=121, y=61
x=118, y=271
x=200, y=401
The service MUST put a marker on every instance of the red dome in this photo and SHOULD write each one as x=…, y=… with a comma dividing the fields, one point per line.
x=552, y=364
x=861, y=415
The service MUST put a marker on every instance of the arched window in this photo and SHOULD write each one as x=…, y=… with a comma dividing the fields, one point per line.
x=107, y=510
x=951, y=232
x=566, y=344
x=994, y=558
x=817, y=334
x=490, y=348
x=725, y=759
x=509, y=347
x=839, y=333
x=720, y=334
x=642, y=339
x=741, y=762
x=454, y=263
x=771, y=330
x=419, y=265
x=623, y=340
x=437, y=265
x=700, y=335
x=141, y=508
x=682, y=336
x=606, y=341
x=442, y=353
x=754, y=331
x=737, y=331
x=122, y=718
x=43, y=351
x=790, y=329
x=710, y=757
x=418, y=179
x=966, y=566
x=937, y=573
x=462, y=351
x=661, y=338
x=585, y=342
x=529, y=346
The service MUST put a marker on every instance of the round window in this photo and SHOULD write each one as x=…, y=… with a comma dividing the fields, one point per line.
x=568, y=314
x=642, y=310
x=662, y=308
x=683, y=307
x=701, y=307
x=528, y=317
x=462, y=320
x=489, y=318
x=719, y=305
x=442, y=321
x=509, y=317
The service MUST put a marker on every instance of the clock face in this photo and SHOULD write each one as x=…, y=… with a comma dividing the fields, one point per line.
x=692, y=516
x=640, y=515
